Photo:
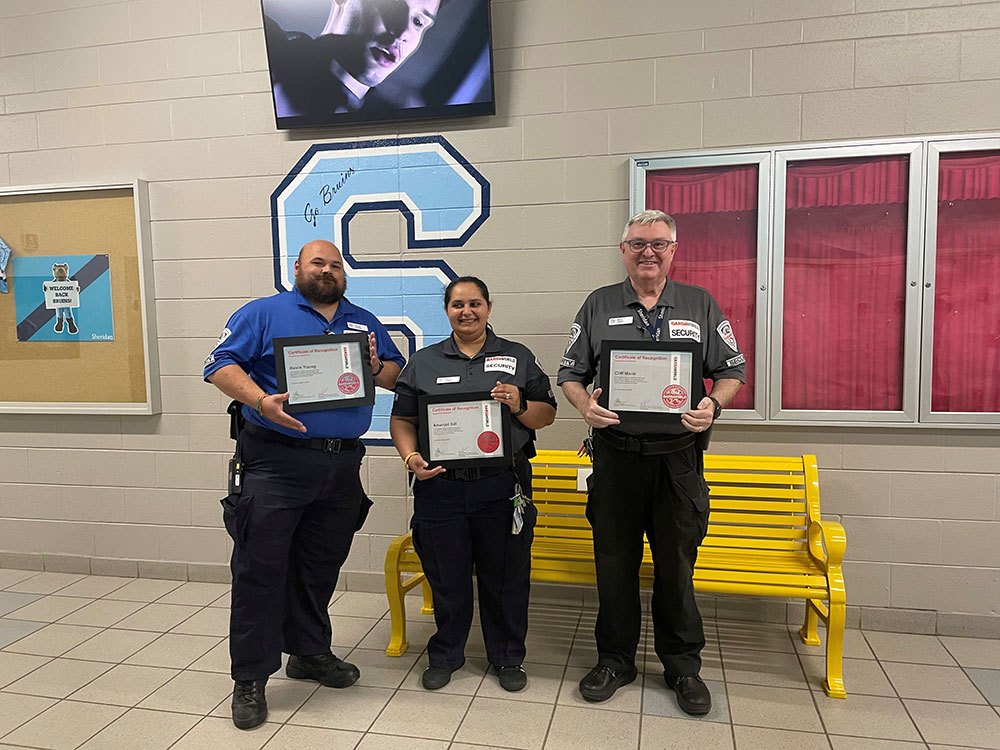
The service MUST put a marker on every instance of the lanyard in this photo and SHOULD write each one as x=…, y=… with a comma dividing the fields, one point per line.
x=654, y=330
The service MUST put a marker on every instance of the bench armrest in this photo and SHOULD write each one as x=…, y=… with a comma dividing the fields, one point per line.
x=827, y=542
x=395, y=551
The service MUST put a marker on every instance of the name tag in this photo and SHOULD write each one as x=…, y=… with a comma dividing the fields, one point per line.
x=685, y=329
x=450, y=379
x=357, y=326
x=624, y=321
x=503, y=364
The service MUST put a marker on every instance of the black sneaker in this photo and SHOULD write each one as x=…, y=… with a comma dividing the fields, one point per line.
x=692, y=694
x=326, y=669
x=512, y=679
x=249, y=703
x=71, y=326
x=602, y=681
x=58, y=326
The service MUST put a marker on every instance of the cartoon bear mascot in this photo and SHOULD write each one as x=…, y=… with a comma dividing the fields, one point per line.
x=64, y=313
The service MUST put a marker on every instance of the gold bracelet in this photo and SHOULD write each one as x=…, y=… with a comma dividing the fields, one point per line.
x=260, y=398
x=406, y=461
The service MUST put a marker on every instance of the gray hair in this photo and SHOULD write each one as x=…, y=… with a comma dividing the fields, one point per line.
x=651, y=216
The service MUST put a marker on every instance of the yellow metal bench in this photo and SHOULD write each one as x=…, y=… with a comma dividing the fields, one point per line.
x=765, y=538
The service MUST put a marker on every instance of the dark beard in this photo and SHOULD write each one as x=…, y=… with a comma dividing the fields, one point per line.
x=321, y=295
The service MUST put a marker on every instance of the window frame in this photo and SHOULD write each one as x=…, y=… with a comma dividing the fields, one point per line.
x=914, y=250
x=935, y=148
x=918, y=327
x=763, y=159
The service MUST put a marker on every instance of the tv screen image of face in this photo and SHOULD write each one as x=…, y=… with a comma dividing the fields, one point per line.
x=350, y=61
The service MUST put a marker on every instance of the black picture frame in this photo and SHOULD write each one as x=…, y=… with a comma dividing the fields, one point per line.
x=428, y=400
x=645, y=421
x=367, y=379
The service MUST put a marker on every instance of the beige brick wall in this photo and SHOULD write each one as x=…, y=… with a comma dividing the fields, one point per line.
x=175, y=92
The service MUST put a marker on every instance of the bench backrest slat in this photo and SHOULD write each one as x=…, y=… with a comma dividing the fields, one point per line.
x=757, y=502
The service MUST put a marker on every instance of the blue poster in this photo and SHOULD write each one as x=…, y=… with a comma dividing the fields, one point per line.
x=63, y=298
x=4, y=257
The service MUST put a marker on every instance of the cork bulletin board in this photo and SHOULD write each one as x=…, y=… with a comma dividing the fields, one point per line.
x=77, y=329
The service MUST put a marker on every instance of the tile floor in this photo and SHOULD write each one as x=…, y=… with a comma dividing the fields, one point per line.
x=106, y=663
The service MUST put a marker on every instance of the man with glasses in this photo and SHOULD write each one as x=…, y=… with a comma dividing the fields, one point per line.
x=649, y=483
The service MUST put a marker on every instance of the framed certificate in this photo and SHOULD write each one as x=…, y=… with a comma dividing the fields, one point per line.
x=324, y=372
x=650, y=383
x=462, y=430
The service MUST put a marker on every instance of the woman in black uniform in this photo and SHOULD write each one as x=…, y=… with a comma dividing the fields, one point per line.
x=463, y=518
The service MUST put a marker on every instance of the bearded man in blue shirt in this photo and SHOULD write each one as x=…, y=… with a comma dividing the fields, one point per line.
x=300, y=500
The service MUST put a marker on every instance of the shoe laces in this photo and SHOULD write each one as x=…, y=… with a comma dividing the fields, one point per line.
x=248, y=691
x=327, y=660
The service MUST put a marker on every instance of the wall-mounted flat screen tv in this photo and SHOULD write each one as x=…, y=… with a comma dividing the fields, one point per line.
x=352, y=61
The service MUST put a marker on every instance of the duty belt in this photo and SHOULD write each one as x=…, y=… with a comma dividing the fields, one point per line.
x=329, y=445
x=473, y=473
x=648, y=445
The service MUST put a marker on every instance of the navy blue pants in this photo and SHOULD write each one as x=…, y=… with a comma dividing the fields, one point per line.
x=292, y=527
x=461, y=525
x=666, y=498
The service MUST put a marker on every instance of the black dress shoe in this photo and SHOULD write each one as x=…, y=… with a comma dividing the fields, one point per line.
x=326, y=669
x=435, y=678
x=692, y=694
x=249, y=703
x=602, y=681
x=512, y=679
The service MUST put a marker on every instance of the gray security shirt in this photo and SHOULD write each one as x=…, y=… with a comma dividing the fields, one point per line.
x=612, y=313
x=443, y=369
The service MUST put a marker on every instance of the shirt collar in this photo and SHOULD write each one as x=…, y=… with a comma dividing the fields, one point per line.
x=490, y=346
x=632, y=299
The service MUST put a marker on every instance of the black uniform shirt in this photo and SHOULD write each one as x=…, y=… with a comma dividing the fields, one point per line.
x=611, y=313
x=441, y=368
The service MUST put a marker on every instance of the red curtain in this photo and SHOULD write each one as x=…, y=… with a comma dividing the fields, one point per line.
x=844, y=284
x=716, y=213
x=966, y=374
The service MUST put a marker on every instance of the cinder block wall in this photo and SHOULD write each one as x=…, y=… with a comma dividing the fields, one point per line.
x=175, y=92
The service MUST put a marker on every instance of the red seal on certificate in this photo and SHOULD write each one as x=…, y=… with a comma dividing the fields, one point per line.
x=348, y=383
x=488, y=441
x=674, y=396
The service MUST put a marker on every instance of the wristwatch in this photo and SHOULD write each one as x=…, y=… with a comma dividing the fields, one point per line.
x=718, y=408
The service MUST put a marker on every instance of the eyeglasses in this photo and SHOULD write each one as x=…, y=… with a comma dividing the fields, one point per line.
x=658, y=246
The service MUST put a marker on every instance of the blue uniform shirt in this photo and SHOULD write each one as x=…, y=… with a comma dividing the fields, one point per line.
x=248, y=341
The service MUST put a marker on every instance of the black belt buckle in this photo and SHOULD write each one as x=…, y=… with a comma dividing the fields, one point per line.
x=331, y=445
x=632, y=444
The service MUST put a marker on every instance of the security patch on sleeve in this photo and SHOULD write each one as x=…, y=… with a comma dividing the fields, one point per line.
x=567, y=362
x=209, y=360
x=503, y=364
x=574, y=333
x=738, y=360
x=726, y=334
x=685, y=329
x=226, y=333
